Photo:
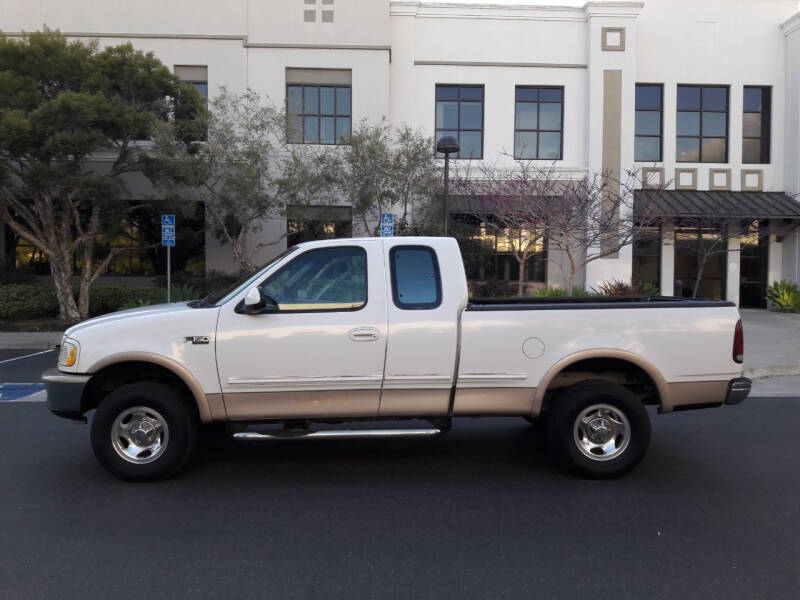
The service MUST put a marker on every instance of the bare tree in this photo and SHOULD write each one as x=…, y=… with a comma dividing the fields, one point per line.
x=708, y=237
x=583, y=219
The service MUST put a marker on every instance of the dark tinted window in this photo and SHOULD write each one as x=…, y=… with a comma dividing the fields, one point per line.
x=416, y=283
x=647, y=143
x=538, y=123
x=459, y=114
x=702, y=124
x=318, y=114
x=756, y=129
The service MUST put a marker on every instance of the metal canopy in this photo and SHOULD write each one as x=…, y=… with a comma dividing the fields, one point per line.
x=694, y=203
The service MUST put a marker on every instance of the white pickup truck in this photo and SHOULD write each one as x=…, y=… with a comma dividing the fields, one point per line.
x=368, y=331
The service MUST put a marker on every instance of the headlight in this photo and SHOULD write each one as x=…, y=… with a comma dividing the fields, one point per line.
x=69, y=354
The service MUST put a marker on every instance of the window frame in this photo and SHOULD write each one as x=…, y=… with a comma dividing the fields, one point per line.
x=538, y=129
x=701, y=110
x=458, y=129
x=393, y=274
x=319, y=114
x=322, y=310
x=761, y=112
x=660, y=135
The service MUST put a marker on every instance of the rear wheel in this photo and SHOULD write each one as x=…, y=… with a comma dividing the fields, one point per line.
x=598, y=429
x=144, y=431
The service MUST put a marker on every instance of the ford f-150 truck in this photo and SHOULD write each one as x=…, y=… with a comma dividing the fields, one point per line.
x=379, y=332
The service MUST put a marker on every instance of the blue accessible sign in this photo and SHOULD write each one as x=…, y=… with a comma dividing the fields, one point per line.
x=387, y=225
x=167, y=230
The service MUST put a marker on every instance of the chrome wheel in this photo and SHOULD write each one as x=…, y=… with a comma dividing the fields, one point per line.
x=601, y=432
x=139, y=435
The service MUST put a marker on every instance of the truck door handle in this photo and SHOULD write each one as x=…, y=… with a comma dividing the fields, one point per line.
x=364, y=334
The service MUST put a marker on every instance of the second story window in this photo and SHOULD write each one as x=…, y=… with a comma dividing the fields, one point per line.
x=649, y=111
x=319, y=114
x=459, y=114
x=757, y=125
x=539, y=123
x=702, y=124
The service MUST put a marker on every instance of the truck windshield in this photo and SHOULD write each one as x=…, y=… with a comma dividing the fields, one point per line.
x=225, y=293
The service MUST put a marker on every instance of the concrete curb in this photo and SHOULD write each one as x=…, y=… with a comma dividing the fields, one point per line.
x=776, y=371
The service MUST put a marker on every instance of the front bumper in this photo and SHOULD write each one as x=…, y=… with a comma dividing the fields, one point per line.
x=738, y=390
x=65, y=393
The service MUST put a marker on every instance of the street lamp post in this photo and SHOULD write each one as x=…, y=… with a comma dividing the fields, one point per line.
x=447, y=146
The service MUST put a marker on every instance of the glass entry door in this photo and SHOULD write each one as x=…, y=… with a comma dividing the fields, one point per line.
x=753, y=267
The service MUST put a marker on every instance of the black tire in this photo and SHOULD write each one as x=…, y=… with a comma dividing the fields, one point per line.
x=561, y=435
x=165, y=401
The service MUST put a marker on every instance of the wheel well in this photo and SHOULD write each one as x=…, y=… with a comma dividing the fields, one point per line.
x=615, y=370
x=112, y=377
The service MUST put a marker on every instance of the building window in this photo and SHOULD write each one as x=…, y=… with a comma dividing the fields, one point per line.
x=197, y=77
x=702, y=124
x=647, y=256
x=459, y=114
x=700, y=252
x=490, y=253
x=757, y=125
x=307, y=223
x=649, y=122
x=319, y=114
x=539, y=123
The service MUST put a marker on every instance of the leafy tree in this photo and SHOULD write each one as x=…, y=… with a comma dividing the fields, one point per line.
x=71, y=118
x=381, y=171
x=246, y=172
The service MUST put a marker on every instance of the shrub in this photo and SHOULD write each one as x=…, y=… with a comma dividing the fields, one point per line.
x=555, y=292
x=617, y=287
x=493, y=288
x=180, y=293
x=27, y=301
x=785, y=296
x=111, y=298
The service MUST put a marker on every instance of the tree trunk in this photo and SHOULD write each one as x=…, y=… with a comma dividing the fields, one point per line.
x=61, y=270
x=700, y=268
x=521, y=278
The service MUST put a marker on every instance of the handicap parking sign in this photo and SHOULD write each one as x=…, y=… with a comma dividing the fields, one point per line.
x=167, y=220
x=387, y=225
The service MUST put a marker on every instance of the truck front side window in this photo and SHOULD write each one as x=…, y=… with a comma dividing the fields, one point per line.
x=324, y=279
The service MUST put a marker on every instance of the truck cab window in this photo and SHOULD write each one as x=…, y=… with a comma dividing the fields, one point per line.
x=416, y=283
x=324, y=279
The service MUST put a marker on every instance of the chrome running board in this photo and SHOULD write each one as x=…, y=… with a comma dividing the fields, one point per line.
x=341, y=433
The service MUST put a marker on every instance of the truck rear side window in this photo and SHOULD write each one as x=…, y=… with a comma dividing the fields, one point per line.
x=416, y=284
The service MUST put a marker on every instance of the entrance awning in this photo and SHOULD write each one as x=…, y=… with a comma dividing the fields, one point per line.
x=694, y=203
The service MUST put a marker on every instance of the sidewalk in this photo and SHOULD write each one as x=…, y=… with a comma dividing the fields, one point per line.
x=771, y=343
x=32, y=340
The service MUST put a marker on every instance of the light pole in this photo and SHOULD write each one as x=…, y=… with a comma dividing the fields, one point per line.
x=447, y=146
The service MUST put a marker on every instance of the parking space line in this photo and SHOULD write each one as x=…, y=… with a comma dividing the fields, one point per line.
x=8, y=360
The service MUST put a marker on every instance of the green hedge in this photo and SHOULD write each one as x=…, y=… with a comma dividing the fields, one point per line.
x=20, y=301
x=27, y=301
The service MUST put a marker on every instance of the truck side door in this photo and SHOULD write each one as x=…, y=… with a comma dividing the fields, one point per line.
x=322, y=353
x=425, y=296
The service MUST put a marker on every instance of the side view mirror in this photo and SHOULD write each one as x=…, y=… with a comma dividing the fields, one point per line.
x=256, y=302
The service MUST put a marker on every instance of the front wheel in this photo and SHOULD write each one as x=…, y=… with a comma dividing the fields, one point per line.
x=598, y=429
x=143, y=431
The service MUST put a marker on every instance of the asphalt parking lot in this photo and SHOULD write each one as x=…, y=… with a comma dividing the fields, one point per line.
x=712, y=512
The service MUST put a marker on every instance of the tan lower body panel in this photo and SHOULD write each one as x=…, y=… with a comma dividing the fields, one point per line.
x=299, y=405
x=698, y=392
x=494, y=401
x=216, y=407
x=403, y=403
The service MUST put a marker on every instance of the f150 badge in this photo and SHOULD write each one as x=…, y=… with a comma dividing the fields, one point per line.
x=196, y=339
